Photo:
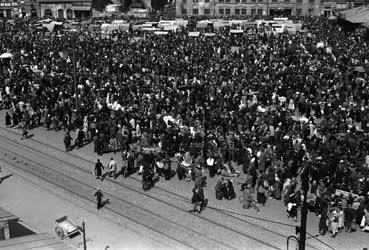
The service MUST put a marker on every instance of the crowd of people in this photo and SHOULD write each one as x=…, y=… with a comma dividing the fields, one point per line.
x=258, y=106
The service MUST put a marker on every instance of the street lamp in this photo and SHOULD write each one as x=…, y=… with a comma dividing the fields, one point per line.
x=301, y=230
x=84, y=235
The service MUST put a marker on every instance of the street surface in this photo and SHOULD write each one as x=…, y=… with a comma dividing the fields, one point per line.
x=48, y=183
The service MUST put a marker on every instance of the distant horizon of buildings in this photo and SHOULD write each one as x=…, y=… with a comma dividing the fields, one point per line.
x=70, y=9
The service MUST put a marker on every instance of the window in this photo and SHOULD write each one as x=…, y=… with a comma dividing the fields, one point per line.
x=221, y=1
x=206, y=1
x=207, y=11
x=244, y=1
x=195, y=11
x=228, y=11
x=184, y=11
x=184, y=1
x=243, y=11
x=260, y=1
x=311, y=11
x=221, y=11
x=227, y=1
x=299, y=1
x=253, y=12
x=298, y=12
x=274, y=1
x=286, y=1
x=254, y=1
x=237, y=11
x=237, y=1
x=311, y=1
x=260, y=12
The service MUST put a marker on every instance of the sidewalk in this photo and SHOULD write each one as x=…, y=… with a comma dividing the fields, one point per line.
x=37, y=208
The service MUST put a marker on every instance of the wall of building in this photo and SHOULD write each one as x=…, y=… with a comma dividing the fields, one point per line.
x=59, y=8
x=258, y=7
x=9, y=9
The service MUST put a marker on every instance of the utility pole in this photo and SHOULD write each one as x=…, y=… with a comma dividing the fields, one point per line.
x=305, y=188
x=84, y=235
x=205, y=120
x=75, y=70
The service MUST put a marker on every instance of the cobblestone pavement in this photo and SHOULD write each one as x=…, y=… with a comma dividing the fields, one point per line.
x=162, y=212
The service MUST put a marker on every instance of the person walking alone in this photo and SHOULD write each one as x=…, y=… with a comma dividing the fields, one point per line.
x=99, y=195
x=198, y=199
x=98, y=169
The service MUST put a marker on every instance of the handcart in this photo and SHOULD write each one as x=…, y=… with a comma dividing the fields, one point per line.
x=65, y=228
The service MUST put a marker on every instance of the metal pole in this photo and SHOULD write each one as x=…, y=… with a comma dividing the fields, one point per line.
x=84, y=235
x=205, y=125
x=305, y=187
x=75, y=71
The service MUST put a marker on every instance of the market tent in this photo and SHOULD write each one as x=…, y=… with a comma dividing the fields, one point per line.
x=202, y=25
x=107, y=27
x=193, y=34
x=209, y=34
x=356, y=15
x=6, y=55
x=51, y=26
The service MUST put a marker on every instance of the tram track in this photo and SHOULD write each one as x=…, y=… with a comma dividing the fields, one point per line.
x=231, y=217
x=134, y=212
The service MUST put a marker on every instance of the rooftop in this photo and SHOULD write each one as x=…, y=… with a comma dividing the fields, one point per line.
x=5, y=215
x=36, y=241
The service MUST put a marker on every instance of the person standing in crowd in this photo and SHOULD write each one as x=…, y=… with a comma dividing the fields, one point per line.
x=112, y=167
x=67, y=141
x=292, y=205
x=247, y=200
x=262, y=192
x=8, y=119
x=349, y=217
x=323, y=218
x=98, y=170
x=334, y=223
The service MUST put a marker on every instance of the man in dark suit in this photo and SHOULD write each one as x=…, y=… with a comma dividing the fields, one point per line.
x=99, y=195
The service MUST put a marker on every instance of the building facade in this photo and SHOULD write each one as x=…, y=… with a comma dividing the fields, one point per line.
x=10, y=9
x=67, y=9
x=262, y=7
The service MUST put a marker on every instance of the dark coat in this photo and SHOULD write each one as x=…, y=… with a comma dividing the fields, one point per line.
x=99, y=196
x=8, y=119
x=197, y=195
x=98, y=168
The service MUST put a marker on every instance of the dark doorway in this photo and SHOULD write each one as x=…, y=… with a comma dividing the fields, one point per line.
x=280, y=12
x=69, y=14
x=60, y=13
x=48, y=13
